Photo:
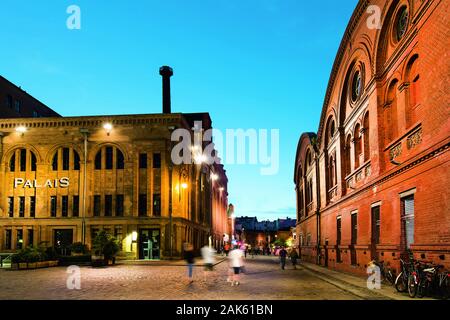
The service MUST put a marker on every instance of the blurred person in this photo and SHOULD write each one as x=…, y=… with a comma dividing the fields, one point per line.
x=236, y=263
x=208, y=259
x=283, y=254
x=226, y=248
x=188, y=255
x=294, y=256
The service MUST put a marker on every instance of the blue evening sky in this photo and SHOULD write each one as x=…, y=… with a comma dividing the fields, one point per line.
x=261, y=64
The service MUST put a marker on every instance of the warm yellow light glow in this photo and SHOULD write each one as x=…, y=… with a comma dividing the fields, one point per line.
x=134, y=236
x=214, y=177
x=184, y=185
x=21, y=129
x=108, y=127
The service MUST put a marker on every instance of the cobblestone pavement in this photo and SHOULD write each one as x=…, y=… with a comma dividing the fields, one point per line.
x=263, y=281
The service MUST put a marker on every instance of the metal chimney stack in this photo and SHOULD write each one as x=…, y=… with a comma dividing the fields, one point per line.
x=166, y=72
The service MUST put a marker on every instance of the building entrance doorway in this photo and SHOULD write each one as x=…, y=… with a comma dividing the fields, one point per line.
x=149, y=244
x=62, y=239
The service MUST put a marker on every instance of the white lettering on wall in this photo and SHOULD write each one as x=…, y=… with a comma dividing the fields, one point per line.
x=49, y=183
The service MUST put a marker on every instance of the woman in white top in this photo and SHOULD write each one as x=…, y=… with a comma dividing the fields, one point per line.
x=236, y=262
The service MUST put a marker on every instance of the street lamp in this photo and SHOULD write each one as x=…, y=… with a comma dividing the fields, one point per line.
x=108, y=127
x=85, y=133
x=21, y=130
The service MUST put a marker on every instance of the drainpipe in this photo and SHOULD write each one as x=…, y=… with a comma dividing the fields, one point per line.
x=318, y=203
x=85, y=133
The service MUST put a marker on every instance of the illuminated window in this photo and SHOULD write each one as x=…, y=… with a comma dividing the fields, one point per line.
x=19, y=239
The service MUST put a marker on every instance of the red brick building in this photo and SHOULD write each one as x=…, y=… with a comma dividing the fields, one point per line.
x=17, y=103
x=373, y=182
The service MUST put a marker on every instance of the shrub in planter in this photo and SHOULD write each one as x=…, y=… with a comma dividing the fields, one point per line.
x=78, y=248
x=104, y=245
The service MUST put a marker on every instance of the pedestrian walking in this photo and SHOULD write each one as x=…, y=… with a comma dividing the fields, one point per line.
x=188, y=255
x=283, y=254
x=226, y=249
x=208, y=260
x=294, y=256
x=237, y=263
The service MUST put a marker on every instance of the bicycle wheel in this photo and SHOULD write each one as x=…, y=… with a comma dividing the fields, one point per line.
x=400, y=283
x=445, y=288
x=422, y=288
x=412, y=285
x=390, y=277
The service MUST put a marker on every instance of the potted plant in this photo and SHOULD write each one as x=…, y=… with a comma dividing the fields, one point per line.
x=104, y=249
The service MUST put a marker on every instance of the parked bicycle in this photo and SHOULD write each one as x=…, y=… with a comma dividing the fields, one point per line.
x=433, y=281
x=401, y=282
x=386, y=273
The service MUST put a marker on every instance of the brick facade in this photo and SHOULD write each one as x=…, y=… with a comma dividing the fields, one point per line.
x=373, y=181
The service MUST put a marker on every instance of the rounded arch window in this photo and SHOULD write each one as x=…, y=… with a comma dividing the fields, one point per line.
x=65, y=159
x=109, y=157
x=401, y=23
x=356, y=86
x=22, y=160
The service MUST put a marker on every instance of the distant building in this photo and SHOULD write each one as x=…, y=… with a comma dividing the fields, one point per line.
x=17, y=103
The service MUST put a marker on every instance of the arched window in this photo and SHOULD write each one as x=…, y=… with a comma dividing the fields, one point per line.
x=390, y=113
x=401, y=23
x=67, y=157
x=22, y=156
x=357, y=142
x=112, y=156
x=329, y=131
x=348, y=166
x=413, y=78
x=366, y=138
x=332, y=172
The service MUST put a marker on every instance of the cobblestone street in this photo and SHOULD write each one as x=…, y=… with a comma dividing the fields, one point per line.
x=263, y=281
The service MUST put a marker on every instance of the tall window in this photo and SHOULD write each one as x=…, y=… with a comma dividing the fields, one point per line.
x=53, y=206
x=30, y=237
x=55, y=162
x=76, y=160
x=407, y=206
x=12, y=163
x=157, y=205
x=98, y=160
x=19, y=239
x=65, y=206
x=108, y=205
x=23, y=159
x=65, y=158
x=97, y=201
x=348, y=165
x=414, y=90
x=142, y=205
x=390, y=113
x=120, y=160
x=376, y=225
x=109, y=158
x=156, y=160
x=142, y=161
x=9, y=101
x=33, y=161
x=119, y=205
x=11, y=207
x=331, y=172
x=366, y=138
x=32, y=206
x=76, y=206
x=21, y=207
x=357, y=142
x=338, y=239
x=8, y=239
